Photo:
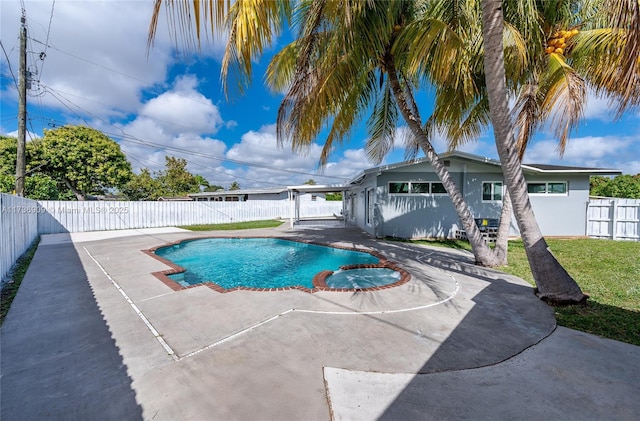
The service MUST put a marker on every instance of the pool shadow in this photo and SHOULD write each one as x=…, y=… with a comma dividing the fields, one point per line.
x=58, y=357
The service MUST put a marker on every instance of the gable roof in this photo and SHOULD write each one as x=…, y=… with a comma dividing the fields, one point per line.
x=529, y=168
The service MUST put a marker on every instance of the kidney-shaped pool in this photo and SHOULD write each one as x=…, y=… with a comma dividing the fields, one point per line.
x=273, y=263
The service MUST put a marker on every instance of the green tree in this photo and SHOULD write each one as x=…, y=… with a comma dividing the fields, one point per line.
x=176, y=179
x=623, y=186
x=202, y=182
x=234, y=186
x=349, y=58
x=213, y=188
x=310, y=182
x=173, y=180
x=143, y=186
x=38, y=186
x=82, y=160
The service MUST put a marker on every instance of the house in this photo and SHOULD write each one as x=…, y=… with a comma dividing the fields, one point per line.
x=243, y=195
x=407, y=199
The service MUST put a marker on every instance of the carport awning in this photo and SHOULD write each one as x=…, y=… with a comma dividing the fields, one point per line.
x=308, y=188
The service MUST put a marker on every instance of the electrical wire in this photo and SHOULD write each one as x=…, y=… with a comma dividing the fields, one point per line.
x=125, y=137
x=15, y=81
x=130, y=138
x=43, y=54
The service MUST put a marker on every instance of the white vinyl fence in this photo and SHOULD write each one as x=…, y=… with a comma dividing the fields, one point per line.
x=18, y=229
x=22, y=220
x=615, y=219
x=58, y=216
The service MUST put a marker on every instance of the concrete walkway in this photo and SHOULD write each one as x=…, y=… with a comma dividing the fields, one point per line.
x=93, y=335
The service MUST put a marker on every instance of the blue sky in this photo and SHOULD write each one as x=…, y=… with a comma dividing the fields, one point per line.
x=96, y=72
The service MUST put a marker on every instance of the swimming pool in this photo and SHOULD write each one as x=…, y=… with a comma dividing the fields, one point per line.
x=267, y=263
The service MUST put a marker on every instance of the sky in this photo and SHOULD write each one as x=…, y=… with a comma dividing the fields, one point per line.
x=90, y=67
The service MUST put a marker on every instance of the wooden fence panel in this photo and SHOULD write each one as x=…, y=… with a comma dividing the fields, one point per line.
x=18, y=229
x=616, y=219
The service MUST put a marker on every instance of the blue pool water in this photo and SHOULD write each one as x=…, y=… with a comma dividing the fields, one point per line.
x=256, y=262
x=361, y=278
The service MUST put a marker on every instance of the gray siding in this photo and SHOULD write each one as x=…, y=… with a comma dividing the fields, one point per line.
x=415, y=216
x=562, y=215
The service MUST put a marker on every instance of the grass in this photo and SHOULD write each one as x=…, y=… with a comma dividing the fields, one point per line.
x=234, y=226
x=608, y=271
x=10, y=288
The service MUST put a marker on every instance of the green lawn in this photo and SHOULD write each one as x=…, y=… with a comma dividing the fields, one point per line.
x=608, y=271
x=234, y=226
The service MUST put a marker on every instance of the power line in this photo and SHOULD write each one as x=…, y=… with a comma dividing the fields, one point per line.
x=116, y=71
x=43, y=54
x=123, y=136
x=9, y=64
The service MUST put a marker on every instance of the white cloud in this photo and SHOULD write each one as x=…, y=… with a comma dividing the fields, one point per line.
x=628, y=167
x=183, y=109
x=261, y=148
x=349, y=164
x=97, y=61
x=175, y=123
x=597, y=107
x=589, y=151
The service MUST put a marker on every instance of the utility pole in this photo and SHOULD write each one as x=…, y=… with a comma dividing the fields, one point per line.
x=21, y=159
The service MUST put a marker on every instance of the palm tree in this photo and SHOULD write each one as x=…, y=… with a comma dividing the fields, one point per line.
x=553, y=282
x=397, y=80
x=345, y=62
x=341, y=44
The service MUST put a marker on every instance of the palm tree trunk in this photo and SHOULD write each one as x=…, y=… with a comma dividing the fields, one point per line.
x=502, y=238
x=553, y=282
x=484, y=256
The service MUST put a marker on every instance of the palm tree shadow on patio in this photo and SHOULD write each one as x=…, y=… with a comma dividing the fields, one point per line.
x=506, y=319
x=59, y=359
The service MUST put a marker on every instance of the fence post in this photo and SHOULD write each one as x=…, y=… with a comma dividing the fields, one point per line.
x=614, y=220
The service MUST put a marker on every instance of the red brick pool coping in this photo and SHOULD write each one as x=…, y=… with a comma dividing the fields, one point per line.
x=319, y=280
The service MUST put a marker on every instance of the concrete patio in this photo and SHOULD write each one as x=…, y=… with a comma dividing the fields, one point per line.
x=92, y=334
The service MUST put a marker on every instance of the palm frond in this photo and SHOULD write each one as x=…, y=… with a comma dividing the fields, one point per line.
x=527, y=116
x=253, y=25
x=564, y=93
x=382, y=126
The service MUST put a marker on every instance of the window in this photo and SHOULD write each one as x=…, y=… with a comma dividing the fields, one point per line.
x=398, y=187
x=555, y=187
x=420, y=188
x=438, y=188
x=537, y=188
x=492, y=190
x=417, y=187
